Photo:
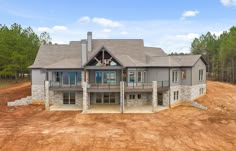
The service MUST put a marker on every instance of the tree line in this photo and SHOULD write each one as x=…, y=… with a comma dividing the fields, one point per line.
x=219, y=52
x=18, y=49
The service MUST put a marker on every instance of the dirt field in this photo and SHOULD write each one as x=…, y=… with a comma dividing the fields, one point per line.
x=180, y=128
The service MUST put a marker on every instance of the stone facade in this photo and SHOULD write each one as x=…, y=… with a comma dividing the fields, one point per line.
x=187, y=93
x=56, y=97
x=146, y=99
x=38, y=92
x=166, y=98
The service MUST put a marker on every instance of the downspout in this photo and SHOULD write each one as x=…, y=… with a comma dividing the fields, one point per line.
x=169, y=81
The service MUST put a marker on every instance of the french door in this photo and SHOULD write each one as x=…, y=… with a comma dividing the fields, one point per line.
x=69, y=98
x=105, y=98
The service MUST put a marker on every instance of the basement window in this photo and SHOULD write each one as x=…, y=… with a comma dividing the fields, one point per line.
x=176, y=95
x=139, y=96
x=132, y=96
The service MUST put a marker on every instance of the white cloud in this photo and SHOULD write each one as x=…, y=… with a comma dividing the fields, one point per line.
x=84, y=19
x=124, y=33
x=51, y=30
x=106, y=22
x=43, y=29
x=56, y=28
x=189, y=13
x=170, y=35
x=189, y=36
x=107, y=30
x=228, y=2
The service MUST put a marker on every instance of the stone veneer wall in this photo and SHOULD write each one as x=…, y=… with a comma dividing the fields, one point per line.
x=146, y=98
x=56, y=97
x=165, y=98
x=187, y=93
x=38, y=92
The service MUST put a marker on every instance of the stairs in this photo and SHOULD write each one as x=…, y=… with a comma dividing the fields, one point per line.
x=23, y=101
x=198, y=105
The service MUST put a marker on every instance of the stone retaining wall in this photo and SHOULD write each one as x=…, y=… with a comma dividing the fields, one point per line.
x=23, y=101
x=38, y=92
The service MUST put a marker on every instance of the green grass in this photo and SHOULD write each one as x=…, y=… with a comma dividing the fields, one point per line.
x=6, y=83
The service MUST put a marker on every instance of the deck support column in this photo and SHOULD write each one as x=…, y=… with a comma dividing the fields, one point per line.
x=47, y=95
x=154, y=95
x=85, y=97
x=122, y=96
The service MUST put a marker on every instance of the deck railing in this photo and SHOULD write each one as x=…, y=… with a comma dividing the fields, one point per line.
x=55, y=84
x=112, y=85
x=134, y=85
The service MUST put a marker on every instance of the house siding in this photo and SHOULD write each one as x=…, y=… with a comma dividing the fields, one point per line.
x=188, y=79
x=157, y=74
x=195, y=73
x=38, y=76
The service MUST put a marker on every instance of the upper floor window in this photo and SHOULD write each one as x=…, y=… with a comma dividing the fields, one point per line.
x=174, y=76
x=183, y=74
x=58, y=76
x=132, y=76
x=201, y=75
x=141, y=75
x=79, y=76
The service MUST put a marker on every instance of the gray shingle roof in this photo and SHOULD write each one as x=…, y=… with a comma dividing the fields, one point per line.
x=130, y=52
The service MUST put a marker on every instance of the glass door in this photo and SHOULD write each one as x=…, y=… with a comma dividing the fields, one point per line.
x=106, y=98
x=68, y=98
x=72, y=78
x=98, y=77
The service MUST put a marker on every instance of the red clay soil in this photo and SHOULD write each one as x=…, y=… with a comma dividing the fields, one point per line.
x=180, y=128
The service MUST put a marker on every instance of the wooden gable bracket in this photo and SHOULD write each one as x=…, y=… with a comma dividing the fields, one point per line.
x=108, y=61
x=98, y=61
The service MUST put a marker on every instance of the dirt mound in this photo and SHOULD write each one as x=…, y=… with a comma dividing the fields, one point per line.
x=180, y=128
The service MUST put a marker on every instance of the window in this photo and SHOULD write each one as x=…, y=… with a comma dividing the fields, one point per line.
x=139, y=96
x=201, y=91
x=58, y=76
x=72, y=78
x=68, y=98
x=79, y=77
x=98, y=76
x=174, y=76
x=200, y=74
x=65, y=78
x=131, y=96
x=109, y=77
x=131, y=77
x=141, y=76
x=176, y=95
x=183, y=74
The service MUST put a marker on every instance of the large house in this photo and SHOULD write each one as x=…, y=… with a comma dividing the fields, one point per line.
x=121, y=72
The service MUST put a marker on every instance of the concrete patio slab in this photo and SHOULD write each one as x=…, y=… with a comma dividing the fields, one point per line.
x=66, y=107
x=104, y=109
x=139, y=109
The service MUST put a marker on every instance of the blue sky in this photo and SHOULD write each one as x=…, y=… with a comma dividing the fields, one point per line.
x=169, y=24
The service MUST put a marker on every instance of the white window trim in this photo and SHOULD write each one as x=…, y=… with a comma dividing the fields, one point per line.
x=175, y=76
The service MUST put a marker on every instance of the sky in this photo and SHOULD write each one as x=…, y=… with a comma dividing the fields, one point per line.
x=171, y=25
